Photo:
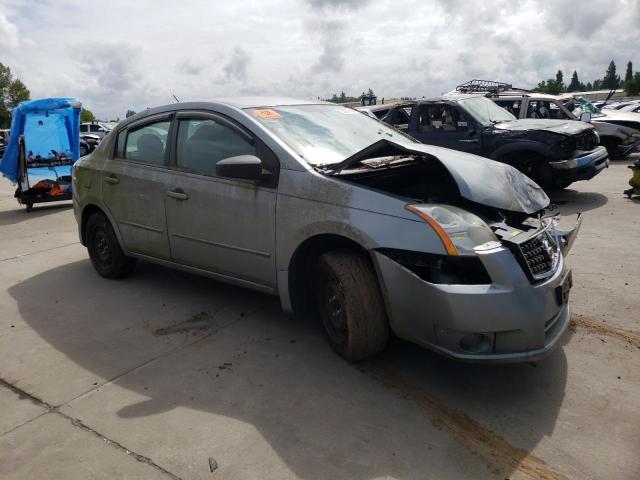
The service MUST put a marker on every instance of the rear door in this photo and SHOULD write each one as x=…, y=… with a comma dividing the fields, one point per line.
x=222, y=225
x=134, y=185
x=445, y=125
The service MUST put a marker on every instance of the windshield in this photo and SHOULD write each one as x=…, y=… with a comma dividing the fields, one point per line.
x=485, y=111
x=324, y=134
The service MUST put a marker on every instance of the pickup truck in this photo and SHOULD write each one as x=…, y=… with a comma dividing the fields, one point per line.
x=554, y=153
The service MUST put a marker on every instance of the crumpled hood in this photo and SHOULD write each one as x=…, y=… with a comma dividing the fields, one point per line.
x=479, y=179
x=563, y=127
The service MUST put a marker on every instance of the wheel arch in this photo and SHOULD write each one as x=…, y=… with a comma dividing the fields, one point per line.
x=513, y=151
x=299, y=275
x=88, y=210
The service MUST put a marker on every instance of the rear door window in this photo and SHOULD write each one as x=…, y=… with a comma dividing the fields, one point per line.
x=512, y=106
x=147, y=144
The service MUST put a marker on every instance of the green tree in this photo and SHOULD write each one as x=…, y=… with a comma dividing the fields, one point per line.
x=611, y=80
x=130, y=113
x=575, y=85
x=551, y=86
x=87, y=116
x=632, y=87
x=629, y=75
x=12, y=92
x=589, y=86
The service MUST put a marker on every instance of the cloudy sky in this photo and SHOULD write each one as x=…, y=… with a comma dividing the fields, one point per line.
x=116, y=55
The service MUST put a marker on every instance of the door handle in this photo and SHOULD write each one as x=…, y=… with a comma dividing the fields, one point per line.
x=177, y=194
x=471, y=140
x=112, y=179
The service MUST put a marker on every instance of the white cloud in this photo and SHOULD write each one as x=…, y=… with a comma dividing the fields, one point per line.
x=8, y=33
x=136, y=54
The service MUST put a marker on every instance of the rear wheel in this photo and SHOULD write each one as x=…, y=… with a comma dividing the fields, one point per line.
x=104, y=250
x=350, y=304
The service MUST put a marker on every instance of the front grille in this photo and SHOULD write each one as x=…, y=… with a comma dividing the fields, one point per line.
x=539, y=255
x=587, y=140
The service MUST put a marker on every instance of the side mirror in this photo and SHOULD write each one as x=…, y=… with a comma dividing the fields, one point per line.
x=244, y=167
x=585, y=117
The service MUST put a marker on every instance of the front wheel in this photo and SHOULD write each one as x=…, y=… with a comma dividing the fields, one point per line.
x=104, y=250
x=350, y=304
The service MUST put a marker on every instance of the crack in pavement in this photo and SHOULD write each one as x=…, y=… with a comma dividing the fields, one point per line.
x=497, y=453
x=594, y=326
x=38, y=251
x=78, y=423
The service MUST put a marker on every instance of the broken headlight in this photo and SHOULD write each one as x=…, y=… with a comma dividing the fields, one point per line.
x=460, y=231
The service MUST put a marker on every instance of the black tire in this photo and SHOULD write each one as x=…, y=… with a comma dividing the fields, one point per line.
x=29, y=206
x=83, y=150
x=350, y=305
x=104, y=250
x=542, y=174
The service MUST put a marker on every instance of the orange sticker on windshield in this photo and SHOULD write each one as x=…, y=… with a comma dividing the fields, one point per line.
x=267, y=114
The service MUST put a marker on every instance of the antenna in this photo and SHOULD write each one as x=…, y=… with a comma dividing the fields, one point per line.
x=177, y=101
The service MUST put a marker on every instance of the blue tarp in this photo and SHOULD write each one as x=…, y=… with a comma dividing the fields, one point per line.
x=47, y=124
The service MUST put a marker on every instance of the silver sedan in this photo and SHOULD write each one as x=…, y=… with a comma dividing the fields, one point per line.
x=338, y=215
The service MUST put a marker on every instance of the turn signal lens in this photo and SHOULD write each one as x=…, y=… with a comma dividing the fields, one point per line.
x=444, y=237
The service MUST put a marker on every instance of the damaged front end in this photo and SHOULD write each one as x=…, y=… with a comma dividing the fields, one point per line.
x=496, y=289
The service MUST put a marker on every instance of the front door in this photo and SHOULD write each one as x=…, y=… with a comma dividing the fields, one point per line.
x=225, y=226
x=446, y=126
x=134, y=185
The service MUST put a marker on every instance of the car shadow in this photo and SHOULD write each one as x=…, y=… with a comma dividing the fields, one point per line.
x=573, y=201
x=277, y=374
x=20, y=214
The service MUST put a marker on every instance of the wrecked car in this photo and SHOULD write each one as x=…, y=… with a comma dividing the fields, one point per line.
x=341, y=217
x=619, y=140
x=629, y=121
x=554, y=153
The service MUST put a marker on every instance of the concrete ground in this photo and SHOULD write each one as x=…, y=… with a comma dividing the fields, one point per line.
x=168, y=375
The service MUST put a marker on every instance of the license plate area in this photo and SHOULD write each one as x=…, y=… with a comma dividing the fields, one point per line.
x=562, y=290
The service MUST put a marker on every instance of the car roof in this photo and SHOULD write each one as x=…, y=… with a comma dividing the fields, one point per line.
x=235, y=102
x=527, y=94
x=266, y=101
x=451, y=96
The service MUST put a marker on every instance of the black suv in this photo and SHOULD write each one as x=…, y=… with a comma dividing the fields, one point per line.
x=554, y=153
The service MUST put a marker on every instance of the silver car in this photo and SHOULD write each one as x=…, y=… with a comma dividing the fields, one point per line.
x=338, y=215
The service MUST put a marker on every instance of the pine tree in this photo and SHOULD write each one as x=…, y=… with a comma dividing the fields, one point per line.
x=575, y=84
x=611, y=80
x=629, y=75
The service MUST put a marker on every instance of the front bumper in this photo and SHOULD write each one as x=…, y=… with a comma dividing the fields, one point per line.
x=581, y=167
x=522, y=321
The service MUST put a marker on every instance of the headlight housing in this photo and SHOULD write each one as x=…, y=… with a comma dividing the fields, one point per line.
x=460, y=231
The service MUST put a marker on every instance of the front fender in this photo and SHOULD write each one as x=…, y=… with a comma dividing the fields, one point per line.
x=522, y=147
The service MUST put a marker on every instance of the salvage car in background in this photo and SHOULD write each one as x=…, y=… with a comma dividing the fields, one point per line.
x=328, y=208
x=619, y=140
x=95, y=128
x=554, y=153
